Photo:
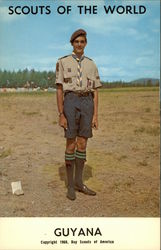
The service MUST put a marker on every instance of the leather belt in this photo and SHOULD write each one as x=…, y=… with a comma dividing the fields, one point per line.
x=79, y=93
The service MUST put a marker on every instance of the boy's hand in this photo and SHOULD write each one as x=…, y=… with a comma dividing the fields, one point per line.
x=63, y=121
x=95, y=122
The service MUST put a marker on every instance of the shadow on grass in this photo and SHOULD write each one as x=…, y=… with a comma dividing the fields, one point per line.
x=87, y=173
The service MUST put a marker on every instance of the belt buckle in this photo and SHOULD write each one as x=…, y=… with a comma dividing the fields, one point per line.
x=84, y=94
x=79, y=94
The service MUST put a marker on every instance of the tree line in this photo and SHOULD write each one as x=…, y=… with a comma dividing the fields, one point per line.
x=45, y=79
x=27, y=78
x=120, y=84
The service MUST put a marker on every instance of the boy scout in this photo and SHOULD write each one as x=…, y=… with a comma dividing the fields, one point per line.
x=77, y=81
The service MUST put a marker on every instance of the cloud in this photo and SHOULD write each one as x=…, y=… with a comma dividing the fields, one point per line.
x=57, y=46
x=146, y=61
x=5, y=17
x=112, y=24
x=125, y=25
x=105, y=60
x=112, y=71
x=30, y=61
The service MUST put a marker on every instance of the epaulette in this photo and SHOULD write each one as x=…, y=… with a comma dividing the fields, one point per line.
x=63, y=57
x=88, y=58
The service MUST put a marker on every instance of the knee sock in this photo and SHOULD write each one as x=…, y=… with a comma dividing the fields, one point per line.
x=69, y=163
x=80, y=158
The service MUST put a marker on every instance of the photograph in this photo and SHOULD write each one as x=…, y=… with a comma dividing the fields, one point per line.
x=79, y=111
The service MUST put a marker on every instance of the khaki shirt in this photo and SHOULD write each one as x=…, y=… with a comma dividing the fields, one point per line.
x=67, y=71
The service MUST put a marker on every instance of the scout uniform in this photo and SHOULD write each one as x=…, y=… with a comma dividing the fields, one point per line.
x=78, y=77
x=78, y=101
x=67, y=74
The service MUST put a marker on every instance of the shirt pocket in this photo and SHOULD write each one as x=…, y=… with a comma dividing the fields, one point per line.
x=69, y=77
x=90, y=81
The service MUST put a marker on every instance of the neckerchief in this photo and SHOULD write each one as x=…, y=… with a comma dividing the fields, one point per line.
x=79, y=68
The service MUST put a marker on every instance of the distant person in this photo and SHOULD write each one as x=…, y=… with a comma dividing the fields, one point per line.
x=77, y=81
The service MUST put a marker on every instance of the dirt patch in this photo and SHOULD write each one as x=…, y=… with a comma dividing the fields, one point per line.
x=122, y=157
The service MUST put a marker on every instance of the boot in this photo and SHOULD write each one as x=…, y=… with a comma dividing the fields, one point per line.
x=79, y=166
x=69, y=163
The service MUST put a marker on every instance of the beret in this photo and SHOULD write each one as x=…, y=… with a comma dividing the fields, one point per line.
x=77, y=33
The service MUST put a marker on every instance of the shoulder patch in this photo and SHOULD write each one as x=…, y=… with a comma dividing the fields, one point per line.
x=64, y=56
x=88, y=58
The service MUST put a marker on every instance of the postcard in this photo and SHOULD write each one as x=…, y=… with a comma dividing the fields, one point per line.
x=79, y=124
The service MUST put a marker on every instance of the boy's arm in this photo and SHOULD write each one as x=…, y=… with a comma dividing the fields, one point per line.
x=95, y=114
x=62, y=119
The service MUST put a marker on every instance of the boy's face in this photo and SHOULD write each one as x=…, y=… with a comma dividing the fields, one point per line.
x=79, y=44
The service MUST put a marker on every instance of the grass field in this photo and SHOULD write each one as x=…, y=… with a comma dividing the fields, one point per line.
x=122, y=157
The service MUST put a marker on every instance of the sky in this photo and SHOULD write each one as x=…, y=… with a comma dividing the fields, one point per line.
x=123, y=46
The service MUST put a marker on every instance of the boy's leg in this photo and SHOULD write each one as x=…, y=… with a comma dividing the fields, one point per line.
x=80, y=158
x=69, y=163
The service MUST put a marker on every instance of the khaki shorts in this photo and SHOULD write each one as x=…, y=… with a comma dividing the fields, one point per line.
x=78, y=111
